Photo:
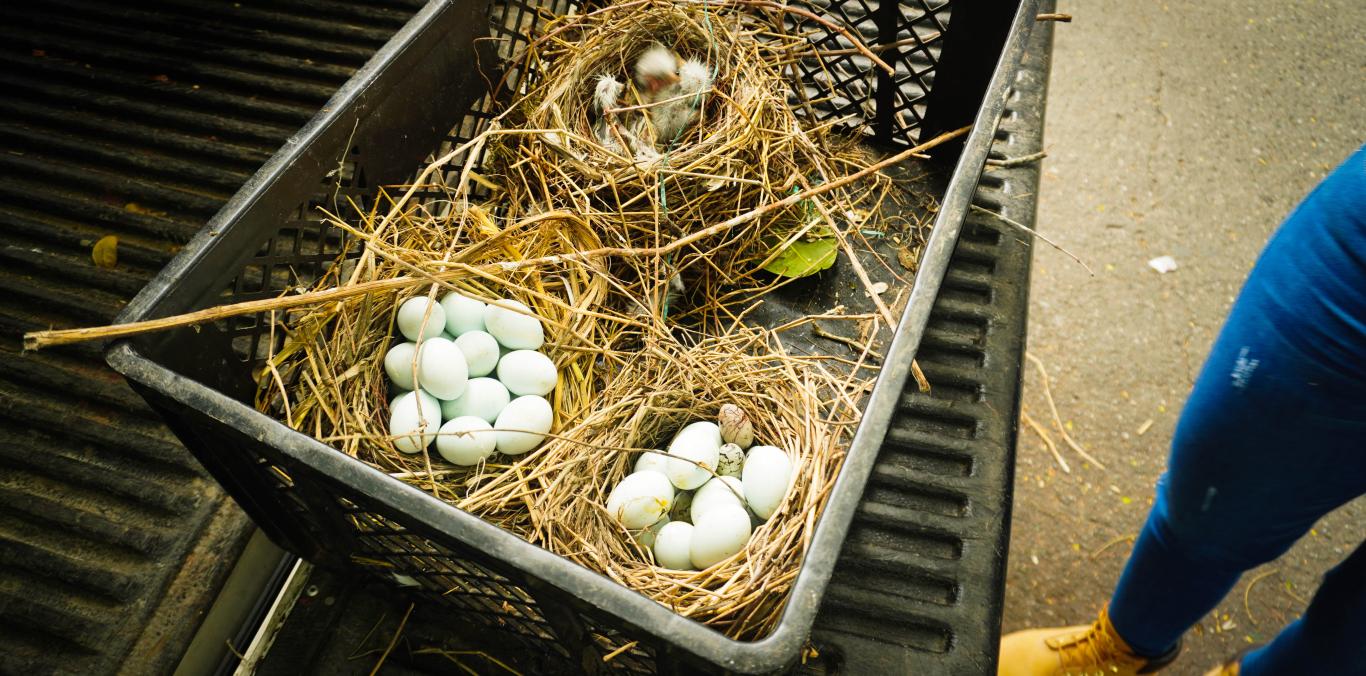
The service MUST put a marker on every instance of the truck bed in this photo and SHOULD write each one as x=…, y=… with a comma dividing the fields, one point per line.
x=139, y=121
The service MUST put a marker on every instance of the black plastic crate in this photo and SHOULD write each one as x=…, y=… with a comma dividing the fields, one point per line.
x=954, y=63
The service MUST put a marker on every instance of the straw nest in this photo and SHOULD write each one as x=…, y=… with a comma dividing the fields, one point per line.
x=793, y=403
x=592, y=240
x=747, y=151
x=328, y=377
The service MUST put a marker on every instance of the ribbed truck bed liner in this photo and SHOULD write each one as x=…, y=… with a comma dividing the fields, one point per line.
x=920, y=582
x=138, y=120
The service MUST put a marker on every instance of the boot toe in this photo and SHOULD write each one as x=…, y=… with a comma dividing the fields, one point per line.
x=1029, y=653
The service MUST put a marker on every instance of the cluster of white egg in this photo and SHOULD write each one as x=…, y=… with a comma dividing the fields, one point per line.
x=697, y=504
x=476, y=367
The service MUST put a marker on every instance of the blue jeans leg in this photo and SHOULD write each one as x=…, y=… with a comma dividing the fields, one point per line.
x=1330, y=633
x=1272, y=438
x=1252, y=468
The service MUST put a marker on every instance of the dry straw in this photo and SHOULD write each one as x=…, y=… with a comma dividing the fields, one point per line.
x=749, y=149
x=795, y=404
x=592, y=240
x=637, y=363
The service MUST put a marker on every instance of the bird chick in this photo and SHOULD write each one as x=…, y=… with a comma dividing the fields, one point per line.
x=676, y=290
x=694, y=77
x=606, y=93
x=620, y=136
x=656, y=70
x=672, y=118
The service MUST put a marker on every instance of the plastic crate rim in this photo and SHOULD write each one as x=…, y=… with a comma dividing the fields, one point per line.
x=770, y=653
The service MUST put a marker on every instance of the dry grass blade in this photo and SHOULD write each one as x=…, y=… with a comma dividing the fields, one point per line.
x=393, y=640
x=1113, y=541
x=1034, y=233
x=1047, y=440
x=1057, y=420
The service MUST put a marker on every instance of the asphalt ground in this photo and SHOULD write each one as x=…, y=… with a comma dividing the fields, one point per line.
x=1173, y=129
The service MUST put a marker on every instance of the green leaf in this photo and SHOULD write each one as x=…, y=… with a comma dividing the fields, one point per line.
x=802, y=258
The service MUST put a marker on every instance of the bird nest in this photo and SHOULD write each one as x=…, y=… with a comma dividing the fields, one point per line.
x=794, y=403
x=724, y=182
x=328, y=376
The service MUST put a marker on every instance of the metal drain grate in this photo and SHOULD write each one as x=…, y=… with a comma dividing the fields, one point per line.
x=133, y=119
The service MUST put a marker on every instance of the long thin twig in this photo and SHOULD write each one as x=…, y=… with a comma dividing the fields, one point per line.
x=1057, y=419
x=1047, y=441
x=1248, y=591
x=40, y=339
x=905, y=42
x=393, y=640
x=858, y=44
x=1033, y=233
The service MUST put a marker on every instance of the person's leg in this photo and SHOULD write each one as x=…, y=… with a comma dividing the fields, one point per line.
x=1245, y=480
x=1271, y=439
x=1330, y=638
x=1272, y=436
x=1255, y=462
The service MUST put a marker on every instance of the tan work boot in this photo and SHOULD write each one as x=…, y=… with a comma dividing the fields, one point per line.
x=1232, y=665
x=1227, y=669
x=1075, y=651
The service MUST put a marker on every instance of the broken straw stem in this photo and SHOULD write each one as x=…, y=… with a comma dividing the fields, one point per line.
x=1057, y=419
x=1008, y=162
x=1033, y=233
x=1047, y=441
